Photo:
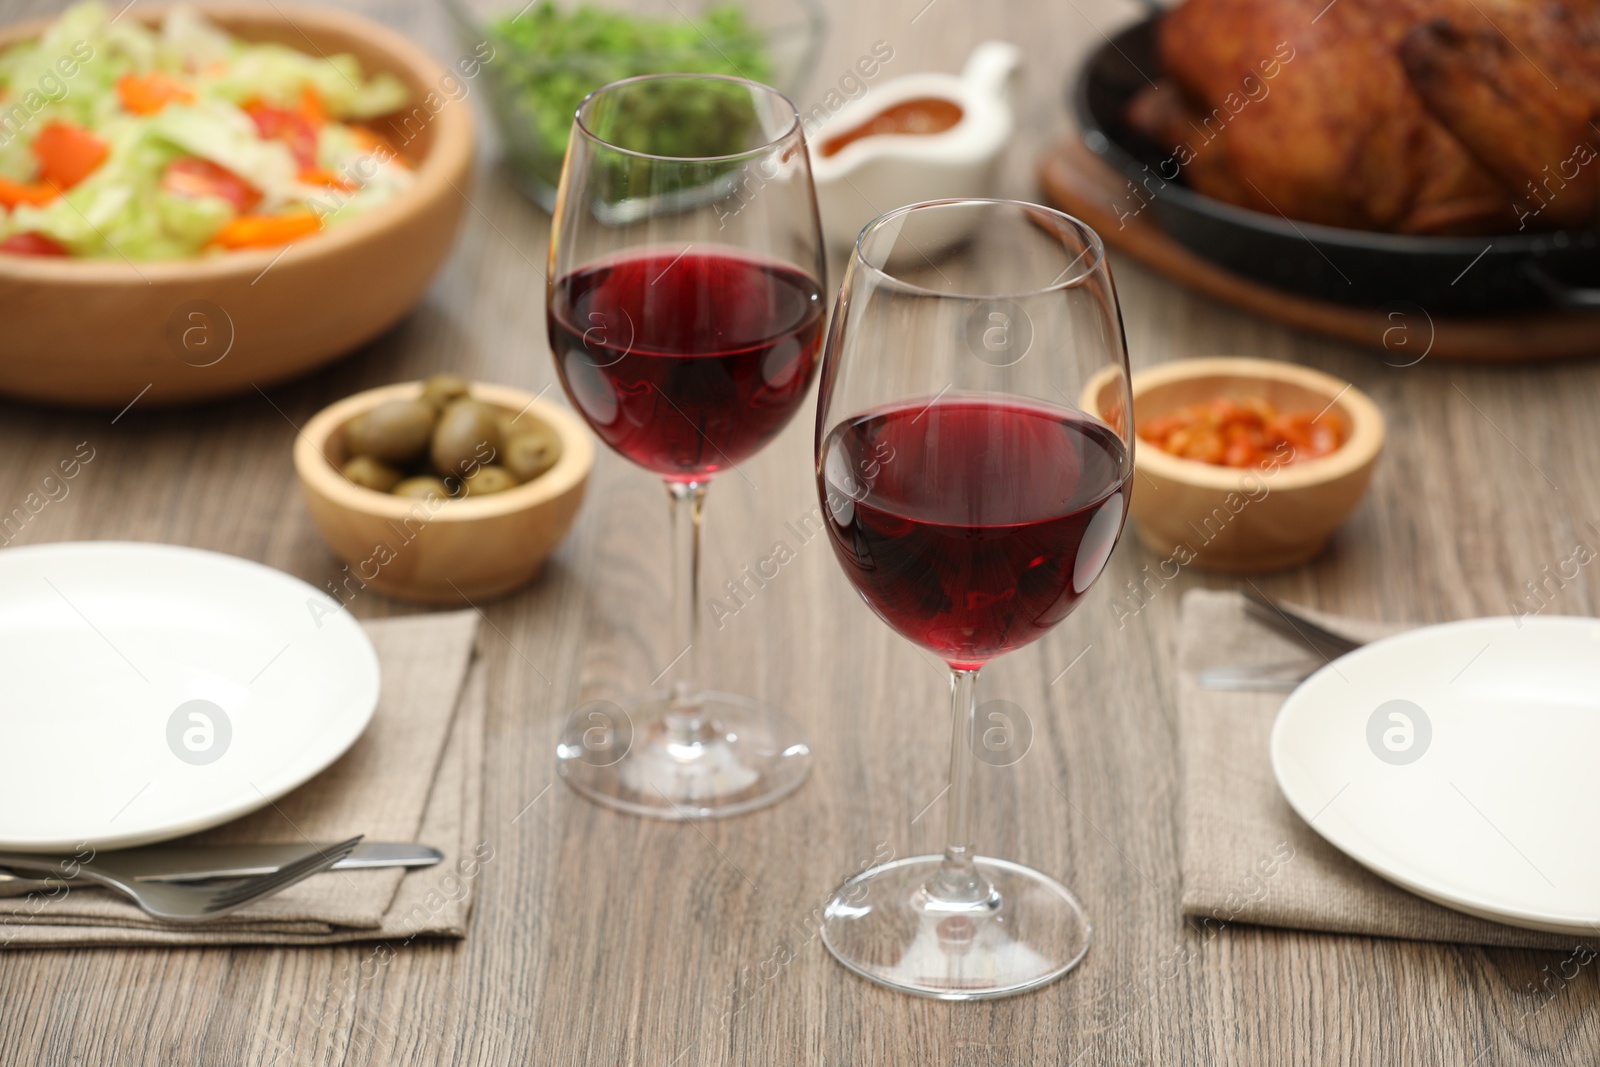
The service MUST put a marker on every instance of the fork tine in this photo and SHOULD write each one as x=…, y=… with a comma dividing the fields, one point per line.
x=270, y=879
x=1296, y=630
x=290, y=873
x=1294, y=625
x=1310, y=632
x=241, y=893
x=236, y=896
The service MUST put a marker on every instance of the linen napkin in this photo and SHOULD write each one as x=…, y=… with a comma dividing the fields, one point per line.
x=1245, y=855
x=412, y=776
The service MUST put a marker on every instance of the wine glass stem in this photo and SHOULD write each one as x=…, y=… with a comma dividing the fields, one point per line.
x=685, y=724
x=957, y=881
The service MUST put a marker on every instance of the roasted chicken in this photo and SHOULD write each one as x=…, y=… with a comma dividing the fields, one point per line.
x=1408, y=116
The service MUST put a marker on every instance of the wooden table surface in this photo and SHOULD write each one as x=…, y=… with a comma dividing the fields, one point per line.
x=608, y=940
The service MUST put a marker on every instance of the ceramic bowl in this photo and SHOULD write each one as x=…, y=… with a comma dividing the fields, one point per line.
x=96, y=333
x=1231, y=519
x=441, y=551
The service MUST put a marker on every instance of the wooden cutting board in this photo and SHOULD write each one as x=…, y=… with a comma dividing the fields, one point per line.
x=1079, y=182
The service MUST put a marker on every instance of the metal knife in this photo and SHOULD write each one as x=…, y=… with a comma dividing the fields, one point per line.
x=188, y=863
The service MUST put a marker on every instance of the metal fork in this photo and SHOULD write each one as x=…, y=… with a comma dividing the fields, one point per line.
x=189, y=903
x=1292, y=624
x=1278, y=676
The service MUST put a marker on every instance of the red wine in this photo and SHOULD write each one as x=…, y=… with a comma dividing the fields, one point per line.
x=973, y=525
x=686, y=363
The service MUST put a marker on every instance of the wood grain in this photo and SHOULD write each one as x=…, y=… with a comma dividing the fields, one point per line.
x=606, y=940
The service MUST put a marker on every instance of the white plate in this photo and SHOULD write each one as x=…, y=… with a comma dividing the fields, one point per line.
x=100, y=645
x=1488, y=799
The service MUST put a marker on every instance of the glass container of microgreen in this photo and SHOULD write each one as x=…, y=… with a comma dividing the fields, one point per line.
x=539, y=61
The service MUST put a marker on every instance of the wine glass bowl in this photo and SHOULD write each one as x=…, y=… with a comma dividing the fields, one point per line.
x=684, y=310
x=728, y=356
x=972, y=504
x=985, y=523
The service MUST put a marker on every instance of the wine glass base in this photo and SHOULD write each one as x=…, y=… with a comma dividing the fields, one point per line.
x=882, y=925
x=745, y=756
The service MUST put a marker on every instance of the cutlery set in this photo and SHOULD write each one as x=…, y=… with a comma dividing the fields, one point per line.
x=199, y=883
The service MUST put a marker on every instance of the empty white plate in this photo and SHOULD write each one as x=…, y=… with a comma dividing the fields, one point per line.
x=149, y=691
x=1460, y=761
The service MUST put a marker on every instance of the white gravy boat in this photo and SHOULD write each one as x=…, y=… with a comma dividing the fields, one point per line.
x=880, y=172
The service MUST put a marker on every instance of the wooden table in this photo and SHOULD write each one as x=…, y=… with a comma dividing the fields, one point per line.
x=606, y=940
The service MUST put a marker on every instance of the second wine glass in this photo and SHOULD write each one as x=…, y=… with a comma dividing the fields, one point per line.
x=685, y=316
x=972, y=502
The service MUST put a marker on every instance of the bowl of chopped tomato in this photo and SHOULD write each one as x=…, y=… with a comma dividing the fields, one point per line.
x=1243, y=464
x=198, y=199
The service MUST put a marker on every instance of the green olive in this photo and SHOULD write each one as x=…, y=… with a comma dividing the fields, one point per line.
x=395, y=431
x=370, y=473
x=489, y=479
x=424, y=487
x=443, y=388
x=467, y=437
x=534, y=450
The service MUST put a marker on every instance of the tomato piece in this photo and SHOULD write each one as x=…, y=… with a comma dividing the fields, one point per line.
x=1227, y=412
x=1293, y=430
x=33, y=244
x=312, y=109
x=14, y=193
x=267, y=231
x=1160, y=428
x=290, y=127
x=1242, y=454
x=1208, y=447
x=370, y=140
x=195, y=177
x=145, y=94
x=319, y=176
x=1241, y=433
x=1324, y=439
x=67, y=154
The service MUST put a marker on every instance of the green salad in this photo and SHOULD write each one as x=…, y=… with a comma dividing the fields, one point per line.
x=553, y=58
x=119, y=140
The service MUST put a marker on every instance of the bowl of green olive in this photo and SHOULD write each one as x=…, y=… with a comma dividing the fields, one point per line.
x=443, y=490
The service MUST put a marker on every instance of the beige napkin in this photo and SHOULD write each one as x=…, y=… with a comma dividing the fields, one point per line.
x=1245, y=855
x=412, y=776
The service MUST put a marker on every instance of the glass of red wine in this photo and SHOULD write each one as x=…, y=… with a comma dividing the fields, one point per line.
x=971, y=502
x=685, y=316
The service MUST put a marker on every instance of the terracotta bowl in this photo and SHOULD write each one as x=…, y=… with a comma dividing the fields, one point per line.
x=441, y=551
x=1228, y=519
x=96, y=333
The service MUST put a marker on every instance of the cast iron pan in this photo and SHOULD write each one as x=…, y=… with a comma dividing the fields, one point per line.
x=1454, y=275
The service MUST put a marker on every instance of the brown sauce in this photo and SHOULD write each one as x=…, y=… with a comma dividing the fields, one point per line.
x=923, y=115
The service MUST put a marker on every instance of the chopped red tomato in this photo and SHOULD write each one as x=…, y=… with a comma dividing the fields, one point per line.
x=67, y=154
x=1242, y=433
x=14, y=193
x=201, y=177
x=290, y=127
x=312, y=109
x=266, y=231
x=371, y=141
x=32, y=244
x=145, y=94
x=319, y=176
